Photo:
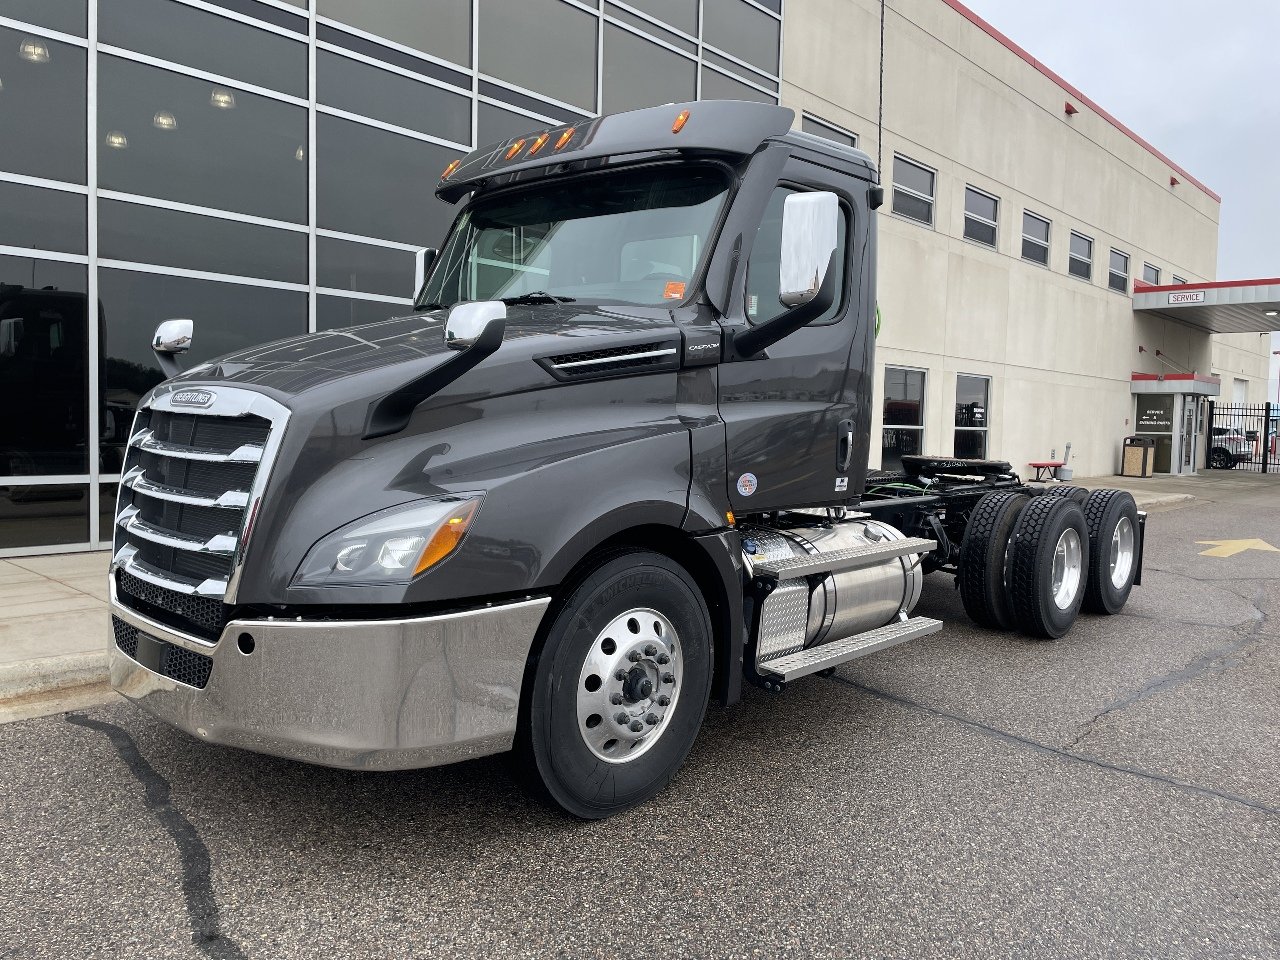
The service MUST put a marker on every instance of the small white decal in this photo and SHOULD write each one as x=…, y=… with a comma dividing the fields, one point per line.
x=842, y=484
x=747, y=484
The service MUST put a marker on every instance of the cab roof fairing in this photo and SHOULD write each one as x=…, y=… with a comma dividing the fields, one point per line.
x=713, y=126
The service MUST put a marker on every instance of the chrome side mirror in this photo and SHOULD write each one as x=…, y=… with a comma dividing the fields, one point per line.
x=468, y=322
x=172, y=338
x=810, y=222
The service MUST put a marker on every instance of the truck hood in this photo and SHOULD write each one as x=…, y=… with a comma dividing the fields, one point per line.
x=404, y=347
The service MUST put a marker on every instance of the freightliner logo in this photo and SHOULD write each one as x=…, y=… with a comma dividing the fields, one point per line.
x=192, y=398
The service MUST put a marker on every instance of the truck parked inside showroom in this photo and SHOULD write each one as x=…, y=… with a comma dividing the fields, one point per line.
x=613, y=466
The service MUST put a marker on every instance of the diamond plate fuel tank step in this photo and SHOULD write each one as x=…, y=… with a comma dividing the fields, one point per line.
x=837, y=561
x=805, y=662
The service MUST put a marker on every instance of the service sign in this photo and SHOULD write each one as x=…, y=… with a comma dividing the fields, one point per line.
x=1190, y=296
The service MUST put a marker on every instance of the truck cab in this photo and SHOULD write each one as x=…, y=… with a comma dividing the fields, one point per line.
x=613, y=466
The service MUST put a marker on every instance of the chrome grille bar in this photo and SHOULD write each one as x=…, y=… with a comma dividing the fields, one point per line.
x=146, y=442
x=136, y=480
x=222, y=544
x=126, y=560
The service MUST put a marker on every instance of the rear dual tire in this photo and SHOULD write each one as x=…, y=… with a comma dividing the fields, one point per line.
x=1048, y=565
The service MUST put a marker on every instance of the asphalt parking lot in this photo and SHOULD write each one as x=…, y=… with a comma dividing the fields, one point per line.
x=973, y=794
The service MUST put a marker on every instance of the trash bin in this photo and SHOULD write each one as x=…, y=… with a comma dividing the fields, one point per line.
x=1138, y=458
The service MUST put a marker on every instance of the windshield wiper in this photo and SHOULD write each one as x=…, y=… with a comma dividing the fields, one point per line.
x=536, y=296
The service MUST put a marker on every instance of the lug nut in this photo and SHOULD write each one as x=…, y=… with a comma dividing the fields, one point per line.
x=621, y=717
x=664, y=659
x=664, y=701
x=620, y=675
x=651, y=719
x=636, y=726
x=634, y=656
x=650, y=650
x=668, y=677
x=616, y=699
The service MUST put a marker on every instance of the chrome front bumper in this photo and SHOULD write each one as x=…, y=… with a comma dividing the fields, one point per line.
x=365, y=695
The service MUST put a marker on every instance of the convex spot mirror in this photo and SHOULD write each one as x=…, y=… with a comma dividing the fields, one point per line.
x=810, y=224
x=467, y=322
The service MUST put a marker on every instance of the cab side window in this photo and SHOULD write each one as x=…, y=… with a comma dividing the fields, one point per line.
x=762, y=267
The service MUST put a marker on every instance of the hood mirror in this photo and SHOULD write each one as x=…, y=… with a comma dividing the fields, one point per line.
x=468, y=322
x=172, y=338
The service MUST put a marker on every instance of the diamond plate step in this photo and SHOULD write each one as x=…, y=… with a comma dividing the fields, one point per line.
x=795, y=665
x=836, y=561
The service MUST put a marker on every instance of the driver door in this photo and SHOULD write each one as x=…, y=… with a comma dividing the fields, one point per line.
x=789, y=411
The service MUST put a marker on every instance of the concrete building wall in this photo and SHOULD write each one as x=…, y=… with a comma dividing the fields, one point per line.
x=1059, y=350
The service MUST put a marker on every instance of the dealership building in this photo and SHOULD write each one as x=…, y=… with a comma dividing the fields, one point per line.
x=266, y=167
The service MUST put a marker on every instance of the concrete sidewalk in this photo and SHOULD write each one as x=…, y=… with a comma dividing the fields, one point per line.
x=53, y=631
x=53, y=610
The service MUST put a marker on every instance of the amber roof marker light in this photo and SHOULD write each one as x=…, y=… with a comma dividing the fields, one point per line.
x=681, y=119
x=515, y=148
x=539, y=143
x=448, y=171
x=565, y=138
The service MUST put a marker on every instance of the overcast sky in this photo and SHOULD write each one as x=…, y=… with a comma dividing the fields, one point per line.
x=1198, y=80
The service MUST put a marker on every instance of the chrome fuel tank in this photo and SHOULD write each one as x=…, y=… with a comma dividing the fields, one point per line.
x=807, y=612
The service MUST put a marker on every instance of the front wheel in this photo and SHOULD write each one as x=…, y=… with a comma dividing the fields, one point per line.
x=1221, y=459
x=621, y=686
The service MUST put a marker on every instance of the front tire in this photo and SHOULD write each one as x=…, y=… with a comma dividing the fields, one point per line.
x=1221, y=459
x=621, y=686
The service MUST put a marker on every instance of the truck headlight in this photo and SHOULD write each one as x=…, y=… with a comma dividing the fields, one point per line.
x=390, y=546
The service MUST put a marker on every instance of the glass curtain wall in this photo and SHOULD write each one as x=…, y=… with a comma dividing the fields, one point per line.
x=266, y=168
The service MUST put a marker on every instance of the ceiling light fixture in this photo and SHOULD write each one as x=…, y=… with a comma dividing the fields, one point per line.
x=34, y=50
x=164, y=120
x=222, y=99
x=117, y=140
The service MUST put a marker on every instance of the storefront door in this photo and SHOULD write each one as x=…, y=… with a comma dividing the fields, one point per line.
x=1155, y=418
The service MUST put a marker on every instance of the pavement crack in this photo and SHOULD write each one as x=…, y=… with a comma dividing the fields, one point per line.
x=1044, y=748
x=197, y=885
x=1196, y=667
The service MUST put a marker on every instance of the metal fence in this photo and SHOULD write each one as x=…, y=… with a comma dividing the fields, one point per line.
x=1242, y=436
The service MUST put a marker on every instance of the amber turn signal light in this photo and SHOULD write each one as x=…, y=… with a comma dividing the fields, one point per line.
x=681, y=119
x=447, y=537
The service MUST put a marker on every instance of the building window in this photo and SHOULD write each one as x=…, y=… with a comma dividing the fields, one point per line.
x=1035, y=238
x=1080, y=263
x=828, y=131
x=972, y=395
x=638, y=73
x=903, y=432
x=981, y=214
x=1151, y=274
x=913, y=190
x=1118, y=275
x=1178, y=279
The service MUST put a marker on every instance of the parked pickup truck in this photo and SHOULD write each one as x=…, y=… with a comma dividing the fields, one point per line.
x=613, y=466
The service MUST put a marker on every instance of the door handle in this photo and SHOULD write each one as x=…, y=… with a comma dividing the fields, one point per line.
x=845, y=453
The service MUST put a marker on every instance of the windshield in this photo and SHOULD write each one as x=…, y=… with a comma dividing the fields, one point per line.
x=634, y=237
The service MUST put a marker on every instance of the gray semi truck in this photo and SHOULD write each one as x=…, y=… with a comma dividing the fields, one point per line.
x=611, y=468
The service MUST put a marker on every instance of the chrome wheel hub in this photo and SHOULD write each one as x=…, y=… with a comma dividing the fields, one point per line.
x=629, y=685
x=1067, y=569
x=1122, y=550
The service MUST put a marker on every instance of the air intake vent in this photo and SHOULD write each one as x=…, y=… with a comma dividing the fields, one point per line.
x=614, y=361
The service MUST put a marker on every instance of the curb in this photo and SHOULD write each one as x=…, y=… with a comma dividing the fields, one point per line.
x=30, y=678
x=1163, y=499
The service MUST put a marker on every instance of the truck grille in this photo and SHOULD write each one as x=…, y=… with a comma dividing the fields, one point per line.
x=177, y=663
x=186, y=489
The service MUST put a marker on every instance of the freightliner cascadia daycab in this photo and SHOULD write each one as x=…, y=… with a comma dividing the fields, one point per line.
x=613, y=466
